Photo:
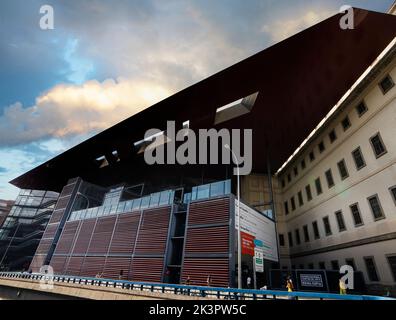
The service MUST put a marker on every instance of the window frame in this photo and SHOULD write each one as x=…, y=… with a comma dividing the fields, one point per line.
x=346, y=169
x=300, y=198
x=312, y=156
x=321, y=147
x=353, y=263
x=345, y=128
x=316, y=236
x=343, y=221
x=382, y=142
x=329, y=225
x=306, y=233
x=286, y=207
x=379, y=205
x=354, y=158
x=318, y=192
x=332, y=136
x=365, y=108
x=365, y=258
x=384, y=92
x=360, y=215
x=393, y=196
x=387, y=256
x=308, y=192
x=293, y=204
x=332, y=184
x=298, y=236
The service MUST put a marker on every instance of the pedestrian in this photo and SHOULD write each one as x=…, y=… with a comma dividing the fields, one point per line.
x=249, y=282
x=289, y=286
x=121, y=274
x=188, y=281
x=343, y=288
x=209, y=280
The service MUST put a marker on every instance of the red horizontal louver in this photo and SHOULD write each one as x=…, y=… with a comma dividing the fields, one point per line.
x=37, y=262
x=92, y=266
x=74, y=266
x=147, y=269
x=117, y=268
x=58, y=264
x=207, y=240
x=123, y=241
x=102, y=235
x=83, y=237
x=199, y=269
x=57, y=216
x=66, y=239
x=44, y=246
x=62, y=203
x=50, y=230
x=153, y=231
x=209, y=212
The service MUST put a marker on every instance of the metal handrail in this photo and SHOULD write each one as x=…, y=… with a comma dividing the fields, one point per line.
x=190, y=290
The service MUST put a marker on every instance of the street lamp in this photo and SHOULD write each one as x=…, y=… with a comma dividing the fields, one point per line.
x=227, y=146
x=83, y=195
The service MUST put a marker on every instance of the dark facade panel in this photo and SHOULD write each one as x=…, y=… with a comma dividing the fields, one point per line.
x=153, y=232
x=147, y=269
x=57, y=216
x=199, y=268
x=44, y=246
x=125, y=232
x=209, y=212
x=102, y=235
x=50, y=231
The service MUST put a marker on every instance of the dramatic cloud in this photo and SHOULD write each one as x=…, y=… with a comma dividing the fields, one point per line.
x=70, y=110
x=284, y=28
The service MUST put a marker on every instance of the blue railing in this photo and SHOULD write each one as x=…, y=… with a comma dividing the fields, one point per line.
x=191, y=290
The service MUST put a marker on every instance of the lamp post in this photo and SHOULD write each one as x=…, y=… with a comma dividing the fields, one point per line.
x=227, y=146
x=83, y=195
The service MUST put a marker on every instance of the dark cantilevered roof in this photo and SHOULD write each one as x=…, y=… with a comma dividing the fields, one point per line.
x=299, y=80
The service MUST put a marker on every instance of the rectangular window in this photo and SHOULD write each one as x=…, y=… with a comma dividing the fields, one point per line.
x=303, y=165
x=309, y=193
x=288, y=177
x=295, y=171
x=392, y=265
x=346, y=123
x=300, y=199
x=281, y=240
x=351, y=262
x=386, y=84
x=293, y=203
x=322, y=265
x=343, y=169
x=298, y=239
x=290, y=238
x=358, y=158
x=283, y=183
x=286, y=204
x=361, y=108
x=357, y=218
x=332, y=136
x=375, y=206
x=340, y=221
x=312, y=156
x=393, y=193
x=321, y=147
x=378, y=145
x=335, y=265
x=315, y=230
x=371, y=269
x=327, y=227
x=329, y=178
x=306, y=233
x=318, y=186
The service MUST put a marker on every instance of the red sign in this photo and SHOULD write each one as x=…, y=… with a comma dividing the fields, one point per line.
x=247, y=243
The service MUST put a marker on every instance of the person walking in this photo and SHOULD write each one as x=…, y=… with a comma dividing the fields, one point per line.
x=249, y=282
x=290, y=286
x=343, y=287
x=209, y=280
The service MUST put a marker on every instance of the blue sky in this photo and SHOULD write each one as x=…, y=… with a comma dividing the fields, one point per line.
x=106, y=60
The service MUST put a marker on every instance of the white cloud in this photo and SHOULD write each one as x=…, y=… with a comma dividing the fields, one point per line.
x=284, y=28
x=70, y=110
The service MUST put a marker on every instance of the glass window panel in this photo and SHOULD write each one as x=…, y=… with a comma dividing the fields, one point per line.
x=121, y=207
x=187, y=197
x=136, y=204
x=194, y=193
x=227, y=187
x=217, y=189
x=145, y=202
x=203, y=191
x=128, y=206
x=100, y=211
x=154, y=199
x=165, y=197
